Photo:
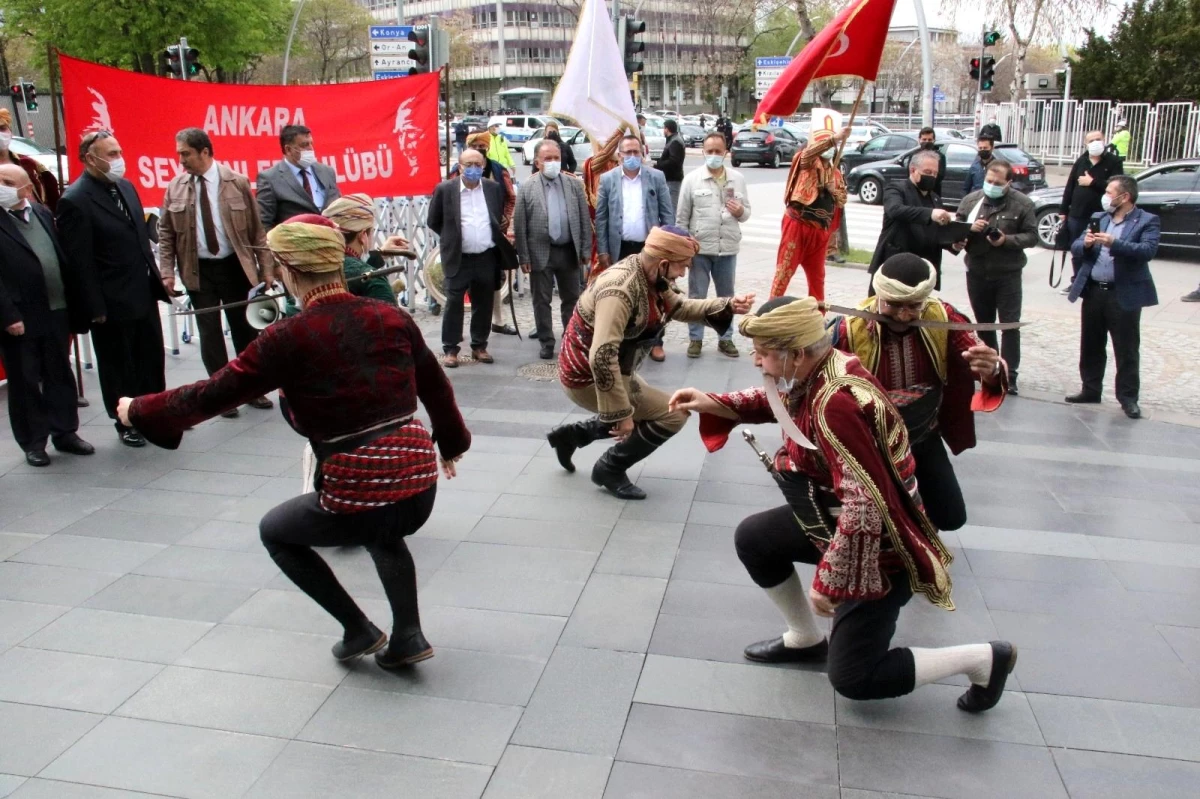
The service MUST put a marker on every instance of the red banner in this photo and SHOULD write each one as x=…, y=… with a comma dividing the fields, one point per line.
x=381, y=137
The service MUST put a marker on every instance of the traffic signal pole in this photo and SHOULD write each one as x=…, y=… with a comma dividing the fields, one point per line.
x=183, y=59
x=979, y=80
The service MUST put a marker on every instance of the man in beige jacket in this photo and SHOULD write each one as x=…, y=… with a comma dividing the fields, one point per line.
x=211, y=229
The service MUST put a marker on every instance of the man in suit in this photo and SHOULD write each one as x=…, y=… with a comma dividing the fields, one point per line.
x=670, y=163
x=39, y=308
x=1115, y=282
x=211, y=229
x=465, y=214
x=554, y=239
x=927, y=139
x=102, y=228
x=298, y=184
x=911, y=212
x=632, y=201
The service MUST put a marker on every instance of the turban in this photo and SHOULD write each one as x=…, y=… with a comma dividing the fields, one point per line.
x=903, y=278
x=5, y=116
x=353, y=213
x=794, y=323
x=672, y=243
x=307, y=245
x=482, y=137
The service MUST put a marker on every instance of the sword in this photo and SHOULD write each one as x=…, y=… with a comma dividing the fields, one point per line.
x=762, y=456
x=929, y=324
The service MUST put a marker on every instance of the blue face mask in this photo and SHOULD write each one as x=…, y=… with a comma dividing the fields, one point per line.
x=994, y=192
x=472, y=173
x=632, y=162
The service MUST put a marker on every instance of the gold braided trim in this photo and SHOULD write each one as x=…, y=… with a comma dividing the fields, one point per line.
x=862, y=336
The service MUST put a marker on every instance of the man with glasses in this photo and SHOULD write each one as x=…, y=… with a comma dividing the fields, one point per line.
x=928, y=374
x=912, y=210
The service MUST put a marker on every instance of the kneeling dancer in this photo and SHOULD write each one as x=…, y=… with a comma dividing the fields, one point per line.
x=616, y=321
x=350, y=372
x=853, y=510
x=928, y=371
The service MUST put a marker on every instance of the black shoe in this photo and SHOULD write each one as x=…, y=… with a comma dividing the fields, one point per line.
x=504, y=330
x=232, y=413
x=979, y=698
x=130, y=437
x=1132, y=409
x=774, y=651
x=1084, y=398
x=37, y=457
x=616, y=481
x=547, y=352
x=567, y=438
x=82, y=402
x=262, y=403
x=74, y=445
x=399, y=654
x=371, y=640
x=1012, y=387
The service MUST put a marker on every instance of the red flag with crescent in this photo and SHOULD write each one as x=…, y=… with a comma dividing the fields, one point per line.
x=852, y=44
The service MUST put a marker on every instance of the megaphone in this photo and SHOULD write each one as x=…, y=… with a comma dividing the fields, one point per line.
x=262, y=315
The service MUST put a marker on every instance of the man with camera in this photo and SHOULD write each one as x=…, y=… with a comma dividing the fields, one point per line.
x=1003, y=226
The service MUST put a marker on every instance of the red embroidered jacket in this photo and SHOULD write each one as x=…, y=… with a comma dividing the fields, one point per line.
x=862, y=454
x=344, y=365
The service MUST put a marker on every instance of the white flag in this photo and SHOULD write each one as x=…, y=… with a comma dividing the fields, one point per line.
x=593, y=90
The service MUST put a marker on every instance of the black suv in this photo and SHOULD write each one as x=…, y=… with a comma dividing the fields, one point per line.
x=767, y=147
x=889, y=145
x=868, y=180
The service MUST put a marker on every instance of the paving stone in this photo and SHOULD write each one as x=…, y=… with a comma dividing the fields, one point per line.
x=233, y=536
x=492, y=592
x=12, y=543
x=1104, y=775
x=177, y=599
x=931, y=709
x=1040, y=568
x=704, y=566
x=720, y=640
x=151, y=528
x=208, y=482
x=588, y=536
x=70, y=681
x=716, y=601
x=526, y=773
x=615, y=612
x=1185, y=641
x=1130, y=728
x=9, y=783
x=96, y=554
x=266, y=653
x=19, y=620
x=638, y=781
x=1035, y=541
x=458, y=674
x=535, y=563
x=211, y=565
x=524, y=634
x=53, y=789
x=32, y=737
x=667, y=498
x=50, y=585
x=292, y=611
x=120, y=635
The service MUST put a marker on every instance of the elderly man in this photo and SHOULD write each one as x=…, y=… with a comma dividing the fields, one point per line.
x=853, y=509
x=45, y=184
x=616, y=321
x=928, y=374
x=554, y=240
x=814, y=199
x=1085, y=187
x=1115, y=282
x=298, y=184
x=208, y=230
x=927, y=140
x=911, y=212
x=102, y=228
x=40, y=305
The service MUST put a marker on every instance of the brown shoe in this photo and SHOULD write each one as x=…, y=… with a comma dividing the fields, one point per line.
x=262, y=403
x=657, y=354
x=482, y=356
x=450, y=360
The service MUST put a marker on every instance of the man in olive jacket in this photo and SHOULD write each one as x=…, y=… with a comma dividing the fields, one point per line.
x=1003, y=226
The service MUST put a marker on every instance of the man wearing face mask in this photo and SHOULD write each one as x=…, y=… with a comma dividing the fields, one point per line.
x=44, y=184
x=853, y=509
x=911, y=212
x=713, y=204
x=40, y=306
x=1085, y=187
x=616, y=321
x=298, y=184
x=974, y=180
x=1003, y=226
x=927, y=140
x=815, y=196
x=670, y=163
x=354, y=214
x=102, y=227
x=1115, y=282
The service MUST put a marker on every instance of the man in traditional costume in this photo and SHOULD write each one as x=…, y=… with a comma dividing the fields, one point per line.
x=815, y=199
x=350, y=372
x=853, y=510
x=603, y=159
x=354, y=214
x=615, y=323
x=929, y=374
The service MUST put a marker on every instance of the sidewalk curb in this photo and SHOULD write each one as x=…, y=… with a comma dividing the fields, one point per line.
x=1148, y=414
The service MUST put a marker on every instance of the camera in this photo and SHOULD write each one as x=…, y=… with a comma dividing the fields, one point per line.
x=993, y=233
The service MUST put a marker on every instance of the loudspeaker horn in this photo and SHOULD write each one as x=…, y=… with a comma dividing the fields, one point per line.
x=262, y=315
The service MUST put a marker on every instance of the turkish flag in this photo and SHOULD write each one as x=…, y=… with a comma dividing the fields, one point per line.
x=852, y=44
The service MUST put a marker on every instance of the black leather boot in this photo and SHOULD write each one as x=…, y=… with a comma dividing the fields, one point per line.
x=567, y=438
x=610, y=471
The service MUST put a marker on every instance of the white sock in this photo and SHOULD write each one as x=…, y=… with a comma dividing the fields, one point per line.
x=973, y=660
x=792, y=601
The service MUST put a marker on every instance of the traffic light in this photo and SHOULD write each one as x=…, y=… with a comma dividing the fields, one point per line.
x=419, y=52
x=975, y=69
x=31, y=104
x=991, y=38
x=632, y=47
x=987, y=74
x=191, y=62
x=172, y=63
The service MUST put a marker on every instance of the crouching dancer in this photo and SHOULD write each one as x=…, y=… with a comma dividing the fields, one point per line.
x=853, y=510
x=350, y=370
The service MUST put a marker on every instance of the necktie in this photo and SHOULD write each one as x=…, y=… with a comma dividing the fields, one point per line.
x=18, y=214
x=554, y=210
x=116, y=195
x=206, y=219
x=304, y=182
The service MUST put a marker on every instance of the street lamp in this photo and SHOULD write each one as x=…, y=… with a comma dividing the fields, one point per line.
x=287, y=50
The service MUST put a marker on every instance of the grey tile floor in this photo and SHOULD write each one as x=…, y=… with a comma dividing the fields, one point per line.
x=585, y=647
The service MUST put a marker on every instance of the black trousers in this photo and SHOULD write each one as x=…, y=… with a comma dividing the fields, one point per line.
x=221, y=280
x=938, y=484
x=476, y=274
x=1102, y=318
x=999, y=296
x=1076, y=226
x=41, y=388
x=862, y=664
x=289, y=531
x=130, y=358
x=562, y=268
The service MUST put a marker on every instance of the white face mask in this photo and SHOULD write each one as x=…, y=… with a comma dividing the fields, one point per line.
x=116, y=170
x=1107, y=204
x=551, y=168
x=5, y=138
x=10, y=197
x=308, y=158
x=1095, y=148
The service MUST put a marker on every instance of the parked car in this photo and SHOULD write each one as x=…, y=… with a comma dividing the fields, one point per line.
x=1170, y=190
x=693, y=135
x=889, y=145
x=771, y=147
x=865, y=131
x=656, y=137
x=580, y=144
x=476, y=124
x=517, y=128
x=527, y=149
x=43, y=155
x=867, y=180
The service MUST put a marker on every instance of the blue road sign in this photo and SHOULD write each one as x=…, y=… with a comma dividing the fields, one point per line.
x=389, y=31
x=763, y=62
x=389, y=74
x=775, y=122
x=938, y=95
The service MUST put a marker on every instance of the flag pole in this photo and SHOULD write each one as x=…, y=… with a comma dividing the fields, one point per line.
x=837, y=158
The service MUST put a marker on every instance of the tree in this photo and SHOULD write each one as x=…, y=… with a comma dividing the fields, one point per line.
x=1150, y=57
x=333, y=37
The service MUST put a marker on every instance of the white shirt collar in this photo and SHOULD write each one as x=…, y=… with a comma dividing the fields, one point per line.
x=462, y=186
x=213, y=175
x=633, y=179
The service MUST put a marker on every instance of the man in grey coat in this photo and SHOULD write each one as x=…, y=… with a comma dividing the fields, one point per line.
x=298, y=184
x=553, y=238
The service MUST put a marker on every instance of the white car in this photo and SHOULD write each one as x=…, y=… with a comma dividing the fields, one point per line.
x=43, y=155
x=517, y=129
x=527, y=149
x=656, y=137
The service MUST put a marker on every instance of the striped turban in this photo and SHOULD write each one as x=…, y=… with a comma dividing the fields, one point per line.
x=307, y=245
x=482, y=137
x=786, y=322
x=671, y=243
x=353, y=213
